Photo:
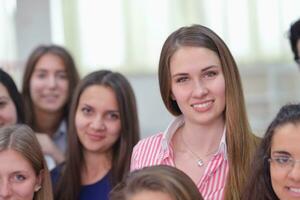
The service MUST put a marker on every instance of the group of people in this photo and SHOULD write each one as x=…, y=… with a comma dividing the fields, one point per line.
x=87, y=131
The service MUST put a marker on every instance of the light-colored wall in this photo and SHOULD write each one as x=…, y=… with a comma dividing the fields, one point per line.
x=32, y=26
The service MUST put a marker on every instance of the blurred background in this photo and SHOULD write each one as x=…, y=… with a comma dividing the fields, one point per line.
x=127, y=36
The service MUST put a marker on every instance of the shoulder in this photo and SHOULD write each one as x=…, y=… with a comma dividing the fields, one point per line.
x=146, y=152
x=149, y=143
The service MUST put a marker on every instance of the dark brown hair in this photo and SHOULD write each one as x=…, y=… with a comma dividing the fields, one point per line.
x=72, y=76
x=259, y=186
x=69, y=183
x=240, y=141
x=160, y=178
x=14, y=94
x=294, y=36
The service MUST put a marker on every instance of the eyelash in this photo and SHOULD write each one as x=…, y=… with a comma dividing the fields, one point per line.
x=19, y=178
x=181, y=79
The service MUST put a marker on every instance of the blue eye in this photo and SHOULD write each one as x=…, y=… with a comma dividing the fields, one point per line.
x=19, y=178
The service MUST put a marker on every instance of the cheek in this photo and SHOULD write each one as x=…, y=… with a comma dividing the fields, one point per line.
x=25, y=191
x=9, y=114
x=64, y=85
x=277, y=179
x=115, y=129
x=34, y=88
x=80, y=122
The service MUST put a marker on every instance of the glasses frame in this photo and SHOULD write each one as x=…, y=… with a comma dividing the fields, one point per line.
x=290, y=163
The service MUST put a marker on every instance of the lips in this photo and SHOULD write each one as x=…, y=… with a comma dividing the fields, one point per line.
x=203, y=106
x=95, y=137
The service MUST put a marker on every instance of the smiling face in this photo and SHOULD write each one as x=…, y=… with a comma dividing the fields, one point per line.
x=198, y=84
x=97, y=119
x=49, y=84
x=8, y=111
x=285, y=145
x=18, y=181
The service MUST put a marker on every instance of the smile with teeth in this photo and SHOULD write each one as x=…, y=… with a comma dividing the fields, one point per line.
x=296, y=190
x=202, y=105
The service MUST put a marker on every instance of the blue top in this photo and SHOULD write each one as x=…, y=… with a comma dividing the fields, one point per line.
x=95, y=191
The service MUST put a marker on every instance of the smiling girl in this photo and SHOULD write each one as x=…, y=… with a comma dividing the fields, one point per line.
x=210, y=138
x=103, y=130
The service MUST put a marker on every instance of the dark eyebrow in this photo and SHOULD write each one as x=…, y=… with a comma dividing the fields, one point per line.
x=282, y=152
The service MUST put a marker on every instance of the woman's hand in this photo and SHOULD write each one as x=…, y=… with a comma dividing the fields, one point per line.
x=49, y=148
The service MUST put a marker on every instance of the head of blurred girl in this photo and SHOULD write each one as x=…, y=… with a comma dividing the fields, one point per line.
x=49, y=78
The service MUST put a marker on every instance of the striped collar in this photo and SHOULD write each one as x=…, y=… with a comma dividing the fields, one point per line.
x=178, y=122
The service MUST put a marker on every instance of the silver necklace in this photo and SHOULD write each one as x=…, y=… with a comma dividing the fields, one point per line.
x=199, y=161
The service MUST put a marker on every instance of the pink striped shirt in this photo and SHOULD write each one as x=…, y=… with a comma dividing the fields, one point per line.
x=157, y=150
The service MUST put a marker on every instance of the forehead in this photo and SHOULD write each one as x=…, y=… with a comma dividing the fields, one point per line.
x=50, y=61
x=150, y=195
x=287, y=138
x=12, y=160
x=187, y=57
x=99, y=95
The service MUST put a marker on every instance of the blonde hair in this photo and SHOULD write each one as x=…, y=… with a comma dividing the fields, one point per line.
x=241, y=143
x=22, y=139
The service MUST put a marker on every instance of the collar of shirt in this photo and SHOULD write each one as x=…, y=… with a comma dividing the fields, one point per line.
x=60, y=131
x=171, y=129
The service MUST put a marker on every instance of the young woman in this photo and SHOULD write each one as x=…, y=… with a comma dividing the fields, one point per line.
x=276, y=166
x=210, y=139
x=48, y=84
x=103, y=130
x=11, y=104
x=156, y=182
x=23, y=171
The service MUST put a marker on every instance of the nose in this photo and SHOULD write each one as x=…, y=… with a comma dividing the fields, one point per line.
x=200, y=89
x=5, y=190
x=52, y=82
x=294, y=174
x=98, y=124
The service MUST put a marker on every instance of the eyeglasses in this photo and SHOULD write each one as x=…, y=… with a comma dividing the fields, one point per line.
x=285, y=162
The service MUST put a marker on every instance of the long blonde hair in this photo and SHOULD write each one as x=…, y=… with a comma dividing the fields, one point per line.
x=241, y=143
x=22, y=139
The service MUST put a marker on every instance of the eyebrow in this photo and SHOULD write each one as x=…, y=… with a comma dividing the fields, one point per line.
x=281, y=152
x=203, y=70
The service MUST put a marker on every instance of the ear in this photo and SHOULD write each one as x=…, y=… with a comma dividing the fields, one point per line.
x=39, y=181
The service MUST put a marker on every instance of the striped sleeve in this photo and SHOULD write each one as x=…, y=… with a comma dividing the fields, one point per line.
x=146, y=152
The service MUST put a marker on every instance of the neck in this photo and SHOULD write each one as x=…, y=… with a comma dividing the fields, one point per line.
x=46, y=122
x=96, y=166
x=201, y=139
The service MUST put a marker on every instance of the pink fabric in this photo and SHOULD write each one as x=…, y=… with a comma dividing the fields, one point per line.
x=156, y=150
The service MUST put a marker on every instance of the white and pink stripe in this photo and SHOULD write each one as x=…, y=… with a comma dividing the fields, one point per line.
x=155, y=151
